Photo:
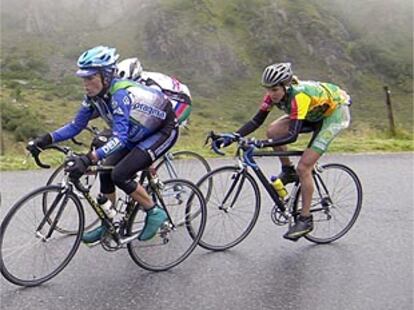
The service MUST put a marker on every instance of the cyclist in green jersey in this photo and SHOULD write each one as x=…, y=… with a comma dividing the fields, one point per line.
x=321, y=107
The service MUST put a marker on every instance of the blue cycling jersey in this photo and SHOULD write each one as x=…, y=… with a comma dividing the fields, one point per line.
x=132, y=110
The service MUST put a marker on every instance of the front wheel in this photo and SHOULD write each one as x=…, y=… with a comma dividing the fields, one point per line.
x=179, y=235
x=32, y=250
x=336, y=202
x=232, y=208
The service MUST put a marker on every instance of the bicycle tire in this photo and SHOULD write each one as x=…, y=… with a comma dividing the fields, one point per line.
x=326, y=211
x=187, y=165
x=90, y=216
x=156, y=254
x=238, y=208
x=21, y=259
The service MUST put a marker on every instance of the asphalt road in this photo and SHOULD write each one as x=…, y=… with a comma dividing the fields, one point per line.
x=370, y=268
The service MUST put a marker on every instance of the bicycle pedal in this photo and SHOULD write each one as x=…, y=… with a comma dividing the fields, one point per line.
x=164, y=231
x=166, y=227
x=92, y=244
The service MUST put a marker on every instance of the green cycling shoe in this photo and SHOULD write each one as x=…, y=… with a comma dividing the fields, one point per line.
x=94, y=236
x=153, y=221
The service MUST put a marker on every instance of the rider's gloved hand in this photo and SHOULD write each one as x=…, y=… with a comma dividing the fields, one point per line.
x=257, y=143
x=77, y=165
x=36, y=145
x=225, y=140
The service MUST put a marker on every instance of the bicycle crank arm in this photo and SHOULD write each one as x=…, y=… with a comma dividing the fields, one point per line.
x=128, y=239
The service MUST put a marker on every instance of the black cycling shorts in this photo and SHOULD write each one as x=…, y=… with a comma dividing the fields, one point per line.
x=127, y=162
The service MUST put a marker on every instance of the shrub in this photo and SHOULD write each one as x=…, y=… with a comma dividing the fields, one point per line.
x=22, y=122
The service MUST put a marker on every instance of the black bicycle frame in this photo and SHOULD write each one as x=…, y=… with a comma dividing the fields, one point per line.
x=267, y=185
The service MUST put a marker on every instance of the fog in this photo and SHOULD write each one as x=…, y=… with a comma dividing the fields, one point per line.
x=192, y=38
x=48, y=15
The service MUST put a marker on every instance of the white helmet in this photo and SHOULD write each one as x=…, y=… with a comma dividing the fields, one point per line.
x=277, y=74
x=129, y=68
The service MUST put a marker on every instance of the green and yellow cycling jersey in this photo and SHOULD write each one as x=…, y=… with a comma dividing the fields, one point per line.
x=312, y=101
x=306, y=102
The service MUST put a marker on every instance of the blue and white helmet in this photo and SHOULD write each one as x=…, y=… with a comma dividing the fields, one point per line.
x=98, y=59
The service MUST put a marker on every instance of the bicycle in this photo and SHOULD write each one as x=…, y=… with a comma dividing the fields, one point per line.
x=235, y=201
x=182, y=164
x=29, y=237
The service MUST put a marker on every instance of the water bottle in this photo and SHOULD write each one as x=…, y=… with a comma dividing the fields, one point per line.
x=279, y=187
x=106, y=205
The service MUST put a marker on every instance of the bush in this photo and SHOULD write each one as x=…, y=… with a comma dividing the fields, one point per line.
x=28, y=130
x=23, y=123
x=37, y=65
x=24, y=67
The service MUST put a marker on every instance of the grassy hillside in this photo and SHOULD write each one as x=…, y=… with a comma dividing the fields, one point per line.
x=218, y=48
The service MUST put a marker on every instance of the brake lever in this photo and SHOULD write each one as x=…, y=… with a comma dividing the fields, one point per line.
x=213, y=137
x=216, y=149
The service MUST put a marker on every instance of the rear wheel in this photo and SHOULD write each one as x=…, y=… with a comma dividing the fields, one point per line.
x=336, y=202
x=179, y=236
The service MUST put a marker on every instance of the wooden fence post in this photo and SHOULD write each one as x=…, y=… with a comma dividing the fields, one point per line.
x=389, y=108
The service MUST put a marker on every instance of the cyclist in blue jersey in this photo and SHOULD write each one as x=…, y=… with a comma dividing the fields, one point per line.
x=143, y=125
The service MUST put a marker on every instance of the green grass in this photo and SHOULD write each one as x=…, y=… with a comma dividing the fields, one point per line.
x=224, y=113
x=356, y=140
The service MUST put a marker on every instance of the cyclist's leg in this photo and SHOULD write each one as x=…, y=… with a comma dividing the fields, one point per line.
x=124, y=172
x=141, y=157
x=304, y=170
x=277, y=129
x=105, y=178
x=331, y=127
x=122, y=175
x=304, y=222
x=107, y=188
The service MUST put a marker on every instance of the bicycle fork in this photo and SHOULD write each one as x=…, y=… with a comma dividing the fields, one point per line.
x=236, y=179
x=57, y=202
